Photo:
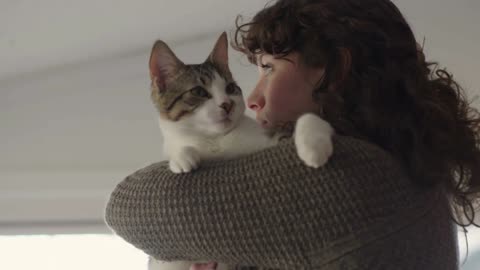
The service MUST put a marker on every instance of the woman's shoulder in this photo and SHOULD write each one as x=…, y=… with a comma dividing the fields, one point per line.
x=272, y=191
x=348, y=152
x=354, y=161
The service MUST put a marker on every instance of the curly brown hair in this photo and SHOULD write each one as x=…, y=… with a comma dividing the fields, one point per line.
x=378, y=86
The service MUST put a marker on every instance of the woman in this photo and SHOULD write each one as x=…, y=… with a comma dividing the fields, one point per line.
x=405, y=168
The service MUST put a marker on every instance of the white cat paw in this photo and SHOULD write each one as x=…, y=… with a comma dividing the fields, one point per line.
x=313, y=139
x=185, y=160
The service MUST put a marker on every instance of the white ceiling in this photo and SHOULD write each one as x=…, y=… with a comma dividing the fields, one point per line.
x=35, y=35
x=74, y=81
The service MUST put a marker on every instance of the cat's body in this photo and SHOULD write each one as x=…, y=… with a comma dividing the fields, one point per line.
x=202, y=117
x=245, y=138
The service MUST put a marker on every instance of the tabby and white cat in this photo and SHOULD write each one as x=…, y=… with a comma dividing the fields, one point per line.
x=202, y=117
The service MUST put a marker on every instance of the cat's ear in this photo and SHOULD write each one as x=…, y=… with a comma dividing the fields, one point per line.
x=163, y=64
x=219, y=55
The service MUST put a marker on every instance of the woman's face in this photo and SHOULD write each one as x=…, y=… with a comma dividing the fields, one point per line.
x=284, y=90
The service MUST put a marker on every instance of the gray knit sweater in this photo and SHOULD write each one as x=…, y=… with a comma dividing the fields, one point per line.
x=267, y=209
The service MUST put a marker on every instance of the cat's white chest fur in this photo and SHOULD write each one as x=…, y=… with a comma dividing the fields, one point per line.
x=247, y=137
x=185, y=149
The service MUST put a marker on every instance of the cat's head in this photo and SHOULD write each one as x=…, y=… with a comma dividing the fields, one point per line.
x=203, y=97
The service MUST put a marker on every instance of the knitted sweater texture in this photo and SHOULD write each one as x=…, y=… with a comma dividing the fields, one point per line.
x=268, y=210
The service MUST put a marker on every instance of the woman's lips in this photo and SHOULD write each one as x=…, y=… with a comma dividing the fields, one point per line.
x=264, y=123
x=263, y=120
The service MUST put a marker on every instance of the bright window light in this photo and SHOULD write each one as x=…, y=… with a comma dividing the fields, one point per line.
x=80, y=252
x=473, y=260
x=72, y=252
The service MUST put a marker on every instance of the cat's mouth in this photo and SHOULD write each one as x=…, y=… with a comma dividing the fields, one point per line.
x=225, y=120
x=225, y=125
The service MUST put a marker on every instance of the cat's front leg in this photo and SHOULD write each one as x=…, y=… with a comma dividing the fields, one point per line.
x=184, y=160
x=313, y=139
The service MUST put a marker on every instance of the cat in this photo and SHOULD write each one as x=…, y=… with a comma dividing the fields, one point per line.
x=202, y=117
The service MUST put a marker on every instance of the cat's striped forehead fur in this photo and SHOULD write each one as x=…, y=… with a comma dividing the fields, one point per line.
x=178, y=89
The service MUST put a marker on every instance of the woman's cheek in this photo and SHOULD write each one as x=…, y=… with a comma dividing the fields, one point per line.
x=279, y=101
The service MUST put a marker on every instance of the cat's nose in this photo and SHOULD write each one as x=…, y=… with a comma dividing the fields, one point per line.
x=227, y=106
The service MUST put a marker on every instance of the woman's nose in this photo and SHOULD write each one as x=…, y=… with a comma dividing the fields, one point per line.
x=256, y=101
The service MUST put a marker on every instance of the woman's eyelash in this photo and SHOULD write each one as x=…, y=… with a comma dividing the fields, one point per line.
x=267, y=68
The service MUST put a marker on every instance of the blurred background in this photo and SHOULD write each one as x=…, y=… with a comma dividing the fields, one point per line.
x=76, y=118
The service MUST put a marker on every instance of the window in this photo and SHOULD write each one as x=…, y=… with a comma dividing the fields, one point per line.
x=72, y=252
x=106, y=251
x=473, y=260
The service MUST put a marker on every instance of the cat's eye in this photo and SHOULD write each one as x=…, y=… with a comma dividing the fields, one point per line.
x=233, y=89
x=199, y=92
